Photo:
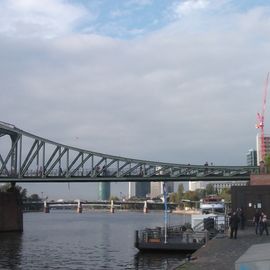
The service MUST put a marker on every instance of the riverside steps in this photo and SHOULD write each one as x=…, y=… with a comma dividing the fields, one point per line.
x=221, y=253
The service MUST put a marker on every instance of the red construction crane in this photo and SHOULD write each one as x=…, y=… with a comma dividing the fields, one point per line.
x=260, y=123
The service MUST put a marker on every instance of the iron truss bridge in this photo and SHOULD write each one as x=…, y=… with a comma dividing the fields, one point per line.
x=25, y=157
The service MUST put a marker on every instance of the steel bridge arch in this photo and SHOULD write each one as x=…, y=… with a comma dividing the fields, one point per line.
x=31, y=158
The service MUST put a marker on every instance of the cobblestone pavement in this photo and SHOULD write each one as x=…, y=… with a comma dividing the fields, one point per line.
x=221, y=252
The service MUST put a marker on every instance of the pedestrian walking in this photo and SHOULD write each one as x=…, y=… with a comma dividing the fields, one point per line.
x=234, y=221
x=242, y=219
x=263, y=224
x=256, y=221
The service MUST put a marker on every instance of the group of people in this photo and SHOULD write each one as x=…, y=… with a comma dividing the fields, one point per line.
x=260, y=221
x=237, y=217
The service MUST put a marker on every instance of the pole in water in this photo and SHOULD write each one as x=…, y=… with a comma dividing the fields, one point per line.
x=165, y=211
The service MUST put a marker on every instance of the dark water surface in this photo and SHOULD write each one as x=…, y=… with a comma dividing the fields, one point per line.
x=91, y=240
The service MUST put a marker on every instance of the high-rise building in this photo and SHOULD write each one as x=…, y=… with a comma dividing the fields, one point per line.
x=252, y=157
x=266, y=145
x=157, y=188
x=142, y=189
x=104, y=191
x=131, y=189
x=217, y=185
x=193, y=185
x=170, y=187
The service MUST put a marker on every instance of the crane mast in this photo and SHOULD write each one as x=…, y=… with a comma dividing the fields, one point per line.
x=260, y=123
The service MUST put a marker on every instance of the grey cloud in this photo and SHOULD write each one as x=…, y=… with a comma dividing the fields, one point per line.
x=173, y=96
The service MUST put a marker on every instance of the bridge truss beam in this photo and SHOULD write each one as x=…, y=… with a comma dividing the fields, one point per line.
x=25, y=157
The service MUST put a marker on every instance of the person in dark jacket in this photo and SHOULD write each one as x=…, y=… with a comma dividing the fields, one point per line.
x=263, y=224
x=234, y=221
x=256, y=221
x=242, y=219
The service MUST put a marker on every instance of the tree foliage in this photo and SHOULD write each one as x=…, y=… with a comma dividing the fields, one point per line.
x=114, y=198
x=209, y=189
x=34, y=198
x=22, y=192
x=176, y=197
x=225, y=194
x=191, y=195
x=267, y=163
x=173, y=197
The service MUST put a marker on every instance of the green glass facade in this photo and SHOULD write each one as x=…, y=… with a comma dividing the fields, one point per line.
x=104, y=191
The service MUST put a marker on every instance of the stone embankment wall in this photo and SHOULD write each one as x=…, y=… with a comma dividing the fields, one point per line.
x=11, y=217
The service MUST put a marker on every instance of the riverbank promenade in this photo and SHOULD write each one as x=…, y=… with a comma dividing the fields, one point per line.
x=221, y=252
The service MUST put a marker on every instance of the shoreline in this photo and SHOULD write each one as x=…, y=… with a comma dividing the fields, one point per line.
x=186, y=212
x=221, y=252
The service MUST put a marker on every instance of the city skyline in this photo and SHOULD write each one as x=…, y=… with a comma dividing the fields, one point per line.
x=172, y=81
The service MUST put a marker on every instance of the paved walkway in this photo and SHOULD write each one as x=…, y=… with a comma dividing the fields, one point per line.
x=222, y=252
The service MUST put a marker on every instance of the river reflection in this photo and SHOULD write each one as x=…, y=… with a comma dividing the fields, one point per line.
x=10, y=247
x=65, y=240
x=157, y=260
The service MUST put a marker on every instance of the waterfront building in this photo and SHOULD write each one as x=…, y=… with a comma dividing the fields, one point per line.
x=170, y=187
x=156, y=188
x=252, y=157
x=193, y=185
x=217, y=185
x=104, y=191
x=266, y=145
x=131, y=189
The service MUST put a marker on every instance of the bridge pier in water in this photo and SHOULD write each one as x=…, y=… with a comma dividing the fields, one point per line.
x=112, y=207
x=79, y=207
x=46, y=208
x=145, y=208
x=11, y=215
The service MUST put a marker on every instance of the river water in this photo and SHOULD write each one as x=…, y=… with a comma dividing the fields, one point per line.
x=66, y=240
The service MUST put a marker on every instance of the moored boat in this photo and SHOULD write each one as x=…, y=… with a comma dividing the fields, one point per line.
x=174, y=238
x=212, y=204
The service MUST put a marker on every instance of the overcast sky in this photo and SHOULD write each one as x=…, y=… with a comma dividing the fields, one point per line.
x=173, y=81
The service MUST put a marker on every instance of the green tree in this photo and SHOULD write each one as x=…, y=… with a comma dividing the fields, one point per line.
x=22, y=192
x=114, y=198
x=180, y=193
x=201, y=193
x=191, y=195
x=267, y=163
x=34, y=198
x=225, y=194
x=173, y=197
x=209, y=189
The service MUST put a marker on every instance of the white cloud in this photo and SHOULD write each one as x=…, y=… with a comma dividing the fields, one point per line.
x=47, y=18
x=139, y=2
x=186, y=7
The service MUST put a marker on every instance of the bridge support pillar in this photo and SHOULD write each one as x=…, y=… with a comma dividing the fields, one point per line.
x=11, y=215
x=79, y=207
x=112, y=207
x=145, y=208
x=46, y=208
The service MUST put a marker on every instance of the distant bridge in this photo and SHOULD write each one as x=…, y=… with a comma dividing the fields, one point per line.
x=99, y=204
x=25, y=157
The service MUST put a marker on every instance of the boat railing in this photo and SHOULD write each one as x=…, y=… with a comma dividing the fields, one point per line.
x=213, y=223
x=174, y=234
